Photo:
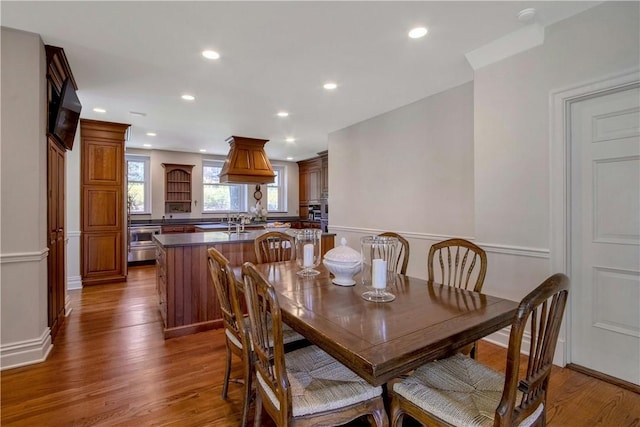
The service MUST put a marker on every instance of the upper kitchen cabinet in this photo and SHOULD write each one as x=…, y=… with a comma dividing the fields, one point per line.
x=310, y=180
x=177, y=188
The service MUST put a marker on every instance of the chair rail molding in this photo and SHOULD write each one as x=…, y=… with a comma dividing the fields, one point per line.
x=14, y=257
x=560, y=101
x=488, y=247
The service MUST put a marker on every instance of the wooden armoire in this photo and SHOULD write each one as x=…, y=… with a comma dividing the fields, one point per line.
x=58, y=71
x=102, y=199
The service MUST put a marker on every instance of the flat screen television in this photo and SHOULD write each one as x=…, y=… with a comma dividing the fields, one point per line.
x=65, y=113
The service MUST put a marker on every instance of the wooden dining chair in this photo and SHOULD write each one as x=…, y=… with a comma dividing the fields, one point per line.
x=274, y=246
x=236, y=326
x=305, y=387
x=462, y=265
x=234, y=323
x=460, y=391
x=402, y=260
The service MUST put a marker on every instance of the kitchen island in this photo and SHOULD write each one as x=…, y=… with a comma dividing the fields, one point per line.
x=188, y=302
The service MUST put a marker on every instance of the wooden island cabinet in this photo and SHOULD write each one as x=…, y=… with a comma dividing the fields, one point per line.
x=186, y=296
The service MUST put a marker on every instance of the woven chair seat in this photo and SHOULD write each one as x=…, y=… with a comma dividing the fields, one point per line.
x=288, y=334
x=458, y=390
x=320, y=383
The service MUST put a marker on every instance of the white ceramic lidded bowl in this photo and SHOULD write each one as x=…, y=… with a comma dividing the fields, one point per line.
x=344, y=263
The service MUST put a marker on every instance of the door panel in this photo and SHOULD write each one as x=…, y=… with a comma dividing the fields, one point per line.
x=105, y=167
x=106, y=209
x=103, y=253
x=605, y=234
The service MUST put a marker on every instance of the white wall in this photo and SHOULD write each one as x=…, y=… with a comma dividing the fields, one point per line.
x=376, y=184
x=157, y=183
x=512, y=157
x=512, y=117
x=72, y=218
x=24, y=332
x=409, y=170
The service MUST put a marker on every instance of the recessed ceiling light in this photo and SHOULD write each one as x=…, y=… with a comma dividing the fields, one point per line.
x=202, y=150
x=188, y=97
x=290, y=140
x=330, y=86
x=146, y=145
x=151, y=134
x=99, y=110
x=282, y=114
x=137, y=113
x=210, y=54
x=526, y=15
x=418, y=32
x=289, y=158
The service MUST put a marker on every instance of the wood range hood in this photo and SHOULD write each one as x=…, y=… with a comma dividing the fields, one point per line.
x=247, y=162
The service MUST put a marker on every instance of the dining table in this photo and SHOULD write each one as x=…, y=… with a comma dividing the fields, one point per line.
x=382, y=340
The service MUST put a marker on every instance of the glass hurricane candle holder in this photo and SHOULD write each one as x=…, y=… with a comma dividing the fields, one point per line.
x=378, y=253
x=308, y=254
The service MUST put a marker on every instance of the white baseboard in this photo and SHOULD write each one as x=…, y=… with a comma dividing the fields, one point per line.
x=74, y=282
x=27, y=352
x=501, y=338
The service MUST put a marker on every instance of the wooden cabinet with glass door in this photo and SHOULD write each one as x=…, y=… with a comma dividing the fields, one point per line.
x=177, y=188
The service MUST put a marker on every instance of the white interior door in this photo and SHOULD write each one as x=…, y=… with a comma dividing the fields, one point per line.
x=605, y=234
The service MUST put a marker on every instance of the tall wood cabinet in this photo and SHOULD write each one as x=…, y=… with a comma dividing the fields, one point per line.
x=58, y=71
x=313, y=182
x=324, y=174
x=102, y=199
x=310, y=180
x=56, y=277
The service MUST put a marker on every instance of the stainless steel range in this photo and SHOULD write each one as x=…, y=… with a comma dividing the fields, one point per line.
x=141, y=245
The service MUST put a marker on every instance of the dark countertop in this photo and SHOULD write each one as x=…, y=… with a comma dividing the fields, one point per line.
x=220, y=226
x=210, y=237
x=207, y=221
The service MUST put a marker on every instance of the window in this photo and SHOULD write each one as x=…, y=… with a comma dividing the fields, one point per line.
x=221, y=197
x=138, y=184
x=276, y=192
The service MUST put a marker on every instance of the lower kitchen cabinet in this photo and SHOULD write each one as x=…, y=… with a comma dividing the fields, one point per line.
x=186, y=297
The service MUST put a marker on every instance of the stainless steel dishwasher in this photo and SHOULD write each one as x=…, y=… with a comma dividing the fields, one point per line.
x=141, y=245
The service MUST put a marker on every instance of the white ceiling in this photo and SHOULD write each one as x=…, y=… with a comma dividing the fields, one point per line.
x=141, y=56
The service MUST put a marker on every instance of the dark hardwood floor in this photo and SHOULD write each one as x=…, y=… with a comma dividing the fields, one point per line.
x=110, y=366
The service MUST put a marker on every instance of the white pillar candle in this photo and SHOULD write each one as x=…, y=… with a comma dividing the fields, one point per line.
x=307, y=260
x=379, y=274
